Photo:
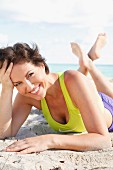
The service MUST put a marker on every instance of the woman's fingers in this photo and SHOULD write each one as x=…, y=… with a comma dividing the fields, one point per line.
x=9, y=69
x=28, y=145
x=5, y=73
x=3, y=69
x=17, y=146
x=21, y=147
x=28, y=150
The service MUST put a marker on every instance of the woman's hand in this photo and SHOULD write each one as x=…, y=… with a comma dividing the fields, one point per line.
x=5, y=75
x=30, y=145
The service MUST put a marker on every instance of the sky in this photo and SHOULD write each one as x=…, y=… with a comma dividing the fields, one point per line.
x=54, y=24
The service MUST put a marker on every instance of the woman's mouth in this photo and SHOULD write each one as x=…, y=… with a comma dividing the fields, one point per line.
x=36, y=90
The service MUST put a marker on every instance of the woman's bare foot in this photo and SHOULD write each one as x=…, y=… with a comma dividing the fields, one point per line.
x=94, y=52
x=84, y=61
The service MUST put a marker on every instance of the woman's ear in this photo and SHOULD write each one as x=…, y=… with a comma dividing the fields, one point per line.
x=42, y=65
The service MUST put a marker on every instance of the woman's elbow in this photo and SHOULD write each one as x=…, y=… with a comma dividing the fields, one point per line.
x=105, y=143
x=108, y=142
x=6, y=134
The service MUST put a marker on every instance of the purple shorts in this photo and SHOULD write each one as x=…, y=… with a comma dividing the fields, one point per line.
x=108, y=104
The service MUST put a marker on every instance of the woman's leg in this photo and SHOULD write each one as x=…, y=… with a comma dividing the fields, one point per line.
x=86, y=64
x=100, y=42
x=94, y=51
x=78, y=52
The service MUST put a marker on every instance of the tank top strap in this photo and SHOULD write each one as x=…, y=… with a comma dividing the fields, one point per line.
x=66, y=95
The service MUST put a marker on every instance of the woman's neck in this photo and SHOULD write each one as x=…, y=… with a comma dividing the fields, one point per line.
x=53, y=85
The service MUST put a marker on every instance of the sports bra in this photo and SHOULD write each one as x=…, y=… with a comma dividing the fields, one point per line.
x=75, y=123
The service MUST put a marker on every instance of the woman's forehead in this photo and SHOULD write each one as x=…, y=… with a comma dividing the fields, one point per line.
x=20, y=70
x=22, y=66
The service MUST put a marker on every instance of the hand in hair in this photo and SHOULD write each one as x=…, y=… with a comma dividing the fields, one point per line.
x=5, y=75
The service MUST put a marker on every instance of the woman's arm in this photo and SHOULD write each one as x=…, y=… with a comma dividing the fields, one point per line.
x=11, y=117
x=85, y=96
x=5, y=100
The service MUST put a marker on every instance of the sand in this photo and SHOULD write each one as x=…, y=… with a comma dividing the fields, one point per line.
x=51, y=159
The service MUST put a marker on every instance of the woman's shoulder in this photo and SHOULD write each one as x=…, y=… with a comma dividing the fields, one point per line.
x=75, y=79
x=72, y=75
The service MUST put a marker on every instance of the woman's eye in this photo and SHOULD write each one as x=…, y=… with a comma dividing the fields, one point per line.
x=17, y=84
x=30, y=74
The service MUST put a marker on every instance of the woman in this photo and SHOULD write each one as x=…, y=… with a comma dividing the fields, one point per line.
x=69, y=100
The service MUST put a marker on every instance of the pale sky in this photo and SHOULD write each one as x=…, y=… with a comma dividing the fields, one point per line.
x=53, y=24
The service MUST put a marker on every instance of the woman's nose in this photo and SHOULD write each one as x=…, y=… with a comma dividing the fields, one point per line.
x=29, y=86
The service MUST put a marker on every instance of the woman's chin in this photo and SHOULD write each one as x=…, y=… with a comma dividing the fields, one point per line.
x=39, y=97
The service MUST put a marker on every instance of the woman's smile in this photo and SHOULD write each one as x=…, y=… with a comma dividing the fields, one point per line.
x=36, y=90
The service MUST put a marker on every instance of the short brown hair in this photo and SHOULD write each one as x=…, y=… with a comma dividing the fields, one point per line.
x=22, y=52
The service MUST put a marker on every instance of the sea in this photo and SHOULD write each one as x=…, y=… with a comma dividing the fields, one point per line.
x=107, y=70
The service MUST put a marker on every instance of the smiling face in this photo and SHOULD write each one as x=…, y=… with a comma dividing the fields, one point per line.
x=30, y=80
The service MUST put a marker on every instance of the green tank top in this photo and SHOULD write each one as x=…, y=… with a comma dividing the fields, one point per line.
x=75, y=123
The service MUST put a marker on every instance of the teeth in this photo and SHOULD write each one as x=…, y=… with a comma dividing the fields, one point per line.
x=33, y=92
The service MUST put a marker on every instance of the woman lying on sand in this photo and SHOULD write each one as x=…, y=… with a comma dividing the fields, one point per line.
x=70, y=102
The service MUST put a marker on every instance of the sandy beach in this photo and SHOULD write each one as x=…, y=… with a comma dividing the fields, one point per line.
x=51, y=159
